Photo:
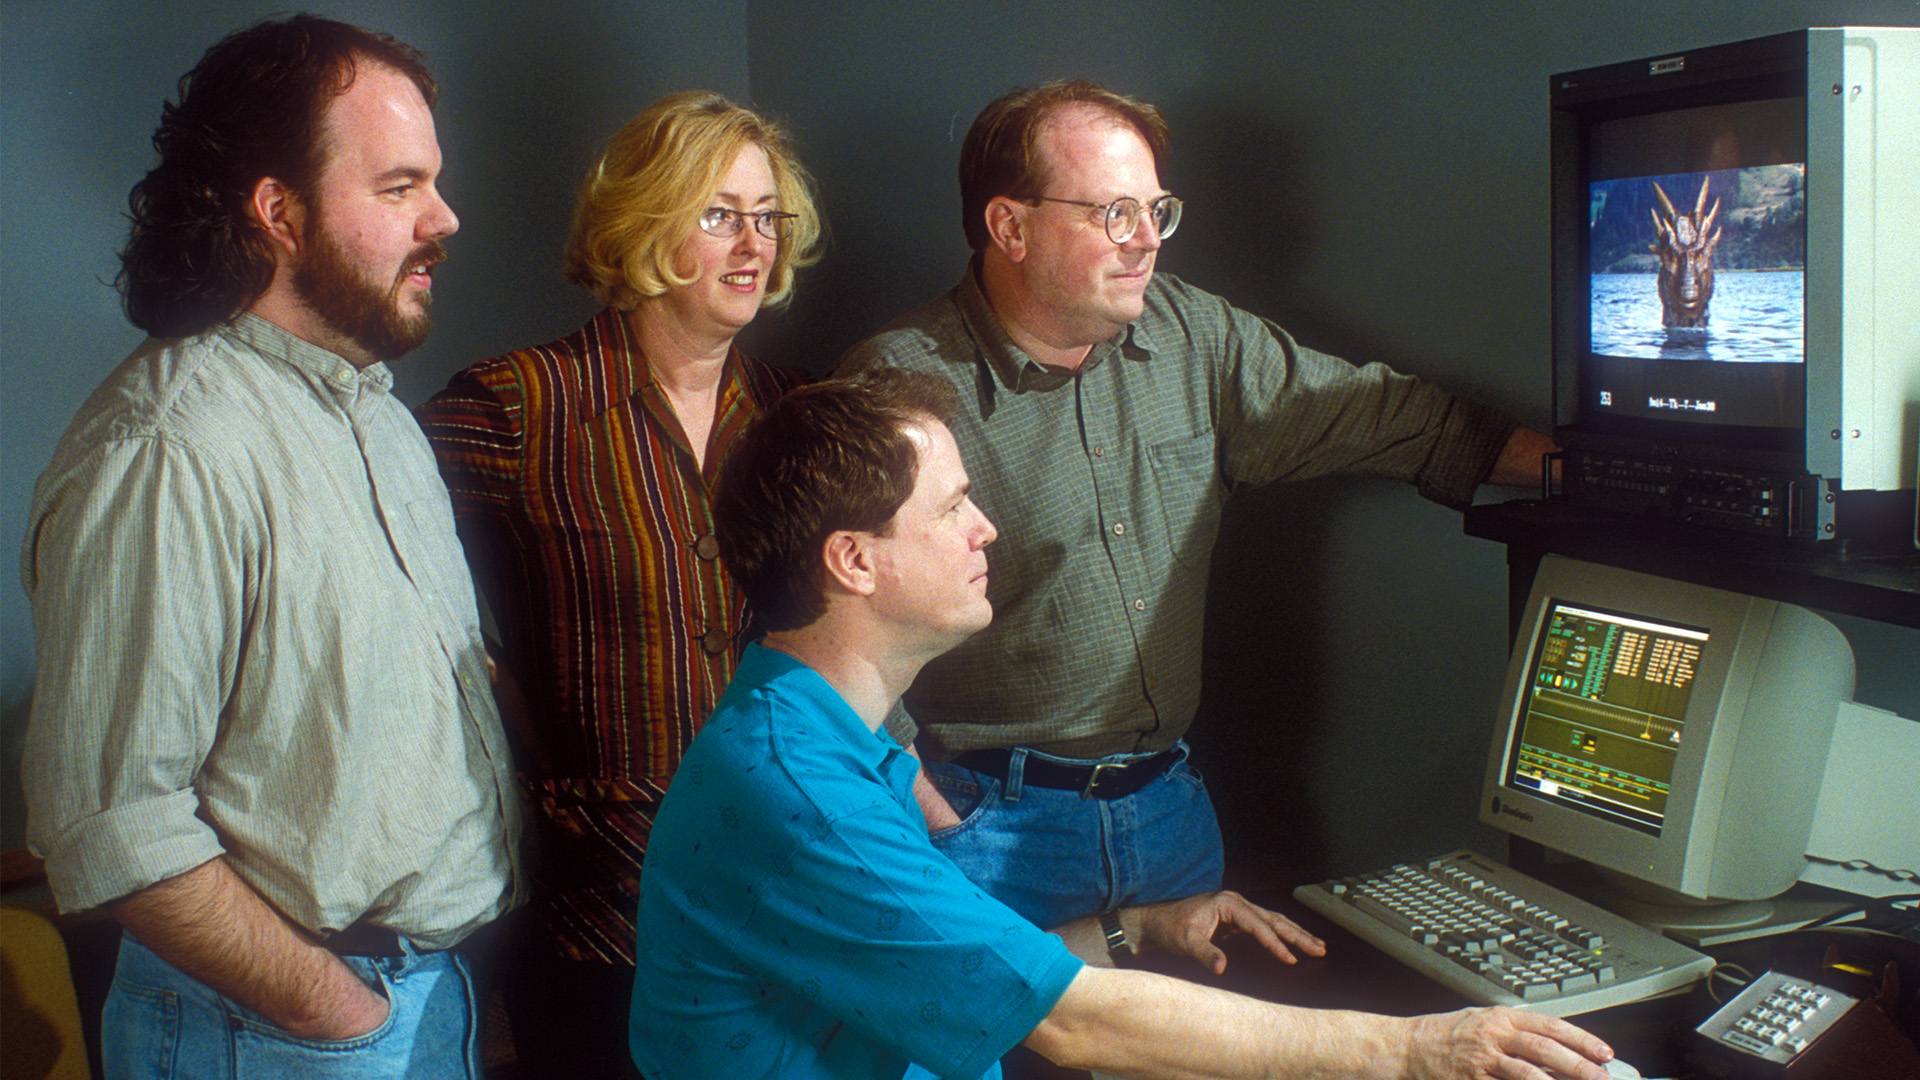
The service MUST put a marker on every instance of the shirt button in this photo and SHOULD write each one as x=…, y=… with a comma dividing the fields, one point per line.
x=1099, y=451
x=715, y=642
x=1119, y=528
x=1139, y=605
x=707, y=547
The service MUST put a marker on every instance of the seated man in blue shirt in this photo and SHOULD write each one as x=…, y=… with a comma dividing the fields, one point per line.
x=795, y=920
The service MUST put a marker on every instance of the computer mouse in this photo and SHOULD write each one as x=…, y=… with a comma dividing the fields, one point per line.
x=1620, y=1070
x=1616, y=1068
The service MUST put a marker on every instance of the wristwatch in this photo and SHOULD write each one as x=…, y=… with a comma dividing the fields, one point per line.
x=1117, y=947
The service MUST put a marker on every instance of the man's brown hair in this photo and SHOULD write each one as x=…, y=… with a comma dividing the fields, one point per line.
x=831, y=456
x=1001, y=154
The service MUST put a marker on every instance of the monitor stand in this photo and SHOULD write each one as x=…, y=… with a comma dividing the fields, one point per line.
x=1702, y=925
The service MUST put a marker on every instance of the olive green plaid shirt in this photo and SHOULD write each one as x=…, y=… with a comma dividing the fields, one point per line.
x=1107, y=484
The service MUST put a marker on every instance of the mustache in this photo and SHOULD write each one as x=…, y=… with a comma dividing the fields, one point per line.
x=432, y=253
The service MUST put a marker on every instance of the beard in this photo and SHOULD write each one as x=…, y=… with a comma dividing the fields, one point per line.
x=358, y=308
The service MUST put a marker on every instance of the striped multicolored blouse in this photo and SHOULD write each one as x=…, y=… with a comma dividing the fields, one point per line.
x=586, y=521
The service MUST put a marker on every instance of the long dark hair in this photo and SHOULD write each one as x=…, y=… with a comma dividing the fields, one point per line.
x=251, y=108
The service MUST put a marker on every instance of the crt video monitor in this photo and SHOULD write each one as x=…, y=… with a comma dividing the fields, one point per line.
x=1736, y=334
x=1672, y=735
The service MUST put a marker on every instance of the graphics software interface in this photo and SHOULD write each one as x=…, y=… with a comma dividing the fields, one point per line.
x=1605, y=713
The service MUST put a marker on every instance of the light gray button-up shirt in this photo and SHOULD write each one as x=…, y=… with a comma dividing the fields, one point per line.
x=256, y=636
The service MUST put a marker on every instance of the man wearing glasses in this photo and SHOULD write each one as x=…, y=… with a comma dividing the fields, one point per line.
x=1107, y=415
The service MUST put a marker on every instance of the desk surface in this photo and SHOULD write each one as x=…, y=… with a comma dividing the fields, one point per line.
x=1650, y=1035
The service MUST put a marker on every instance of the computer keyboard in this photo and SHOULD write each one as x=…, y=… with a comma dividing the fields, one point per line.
x=1498, y=937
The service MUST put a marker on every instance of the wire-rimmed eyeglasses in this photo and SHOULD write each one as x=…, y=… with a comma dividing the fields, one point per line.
x=721, y=221
x=1122, y=215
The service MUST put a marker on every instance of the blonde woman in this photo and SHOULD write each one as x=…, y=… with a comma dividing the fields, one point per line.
x=580, y=472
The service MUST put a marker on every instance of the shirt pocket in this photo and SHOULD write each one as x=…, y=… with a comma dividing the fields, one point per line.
x=1186, y=485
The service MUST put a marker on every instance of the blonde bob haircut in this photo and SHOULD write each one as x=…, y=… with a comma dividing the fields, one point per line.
x=641, y=201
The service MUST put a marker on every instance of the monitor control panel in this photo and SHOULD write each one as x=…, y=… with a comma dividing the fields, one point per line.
x=1756, y=503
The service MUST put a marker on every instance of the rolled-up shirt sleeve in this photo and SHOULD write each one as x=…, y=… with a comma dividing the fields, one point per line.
x=134, y=564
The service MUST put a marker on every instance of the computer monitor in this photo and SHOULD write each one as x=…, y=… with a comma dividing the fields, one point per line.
x=1735, y=314
x=1672, y=735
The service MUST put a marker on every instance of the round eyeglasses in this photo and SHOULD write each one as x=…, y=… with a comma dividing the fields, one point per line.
x=1123, y=215
x=720, y=221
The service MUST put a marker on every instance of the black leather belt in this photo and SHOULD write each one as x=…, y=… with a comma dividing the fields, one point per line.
x=1097, y=780
x=365, y=939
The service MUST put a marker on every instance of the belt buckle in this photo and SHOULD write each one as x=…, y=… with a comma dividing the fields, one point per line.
x=1093, y=779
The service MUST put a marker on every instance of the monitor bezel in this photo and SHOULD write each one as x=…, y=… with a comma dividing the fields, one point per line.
x=1761, y=69
x=1680, y=858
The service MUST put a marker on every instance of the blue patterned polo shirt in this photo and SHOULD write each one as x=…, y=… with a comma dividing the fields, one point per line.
x=795, y=921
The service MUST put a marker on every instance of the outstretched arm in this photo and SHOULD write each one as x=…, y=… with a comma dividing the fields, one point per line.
x=1139, y=1024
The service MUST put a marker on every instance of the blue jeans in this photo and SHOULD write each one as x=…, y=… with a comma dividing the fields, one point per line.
x=160, y=1024
x=1054, y=857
